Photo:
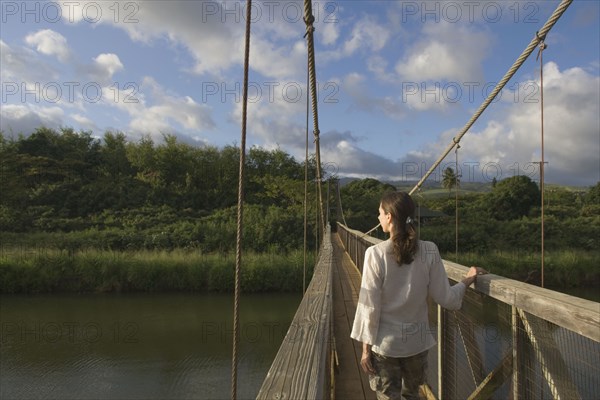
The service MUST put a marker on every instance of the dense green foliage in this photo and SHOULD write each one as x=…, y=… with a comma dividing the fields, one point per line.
x=360, y=201
x=72, y=196
x=71, y=191
x=79, y=211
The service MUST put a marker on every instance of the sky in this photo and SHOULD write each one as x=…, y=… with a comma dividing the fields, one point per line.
x=397, y=80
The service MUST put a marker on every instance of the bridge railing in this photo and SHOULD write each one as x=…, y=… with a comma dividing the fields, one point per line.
x=301, y=368
x=509, y=340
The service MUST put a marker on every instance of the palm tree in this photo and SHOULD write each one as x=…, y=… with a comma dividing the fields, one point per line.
x=450, y=180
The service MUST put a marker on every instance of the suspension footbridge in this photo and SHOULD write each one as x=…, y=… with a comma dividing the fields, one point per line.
x=510, y=340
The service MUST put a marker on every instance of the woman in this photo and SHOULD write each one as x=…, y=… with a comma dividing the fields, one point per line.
x=391, y=318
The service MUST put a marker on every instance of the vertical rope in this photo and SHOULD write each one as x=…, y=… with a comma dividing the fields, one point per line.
x=309, y=19
x=240, y=210
x=306, y=185
x=456, y=183
x=419, y=203
x=542, y=162
x=340, y=203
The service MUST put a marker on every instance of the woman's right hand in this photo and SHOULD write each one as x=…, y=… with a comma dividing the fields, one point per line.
x=365, y=362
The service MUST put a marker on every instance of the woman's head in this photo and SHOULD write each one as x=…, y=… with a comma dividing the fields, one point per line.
x=396, y=215
x=400, y=207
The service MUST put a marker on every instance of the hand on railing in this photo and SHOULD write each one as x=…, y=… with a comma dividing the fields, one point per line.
x=472, y=275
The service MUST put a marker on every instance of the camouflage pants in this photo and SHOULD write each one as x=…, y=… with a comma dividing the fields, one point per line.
x=398, y=378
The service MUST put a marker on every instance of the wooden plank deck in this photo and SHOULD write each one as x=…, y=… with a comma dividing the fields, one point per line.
x=349, y=381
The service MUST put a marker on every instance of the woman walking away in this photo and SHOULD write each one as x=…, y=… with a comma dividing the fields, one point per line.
x=391, y=318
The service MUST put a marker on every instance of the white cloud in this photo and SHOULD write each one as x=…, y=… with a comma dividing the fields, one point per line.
x=275, y=117
x=109, y=63
x=508, y=144
x=25, y=119
x=212, y=36
x=22, y=65
x=278, y=62
x=153, y=111
x=84, y=122
x=355, y=85
x=329, y=33
x=340, y=149
x=102, y=68
x=213, y=33
x=367, y=33
x=51, y=43
x=447, y=52
x=511, y=140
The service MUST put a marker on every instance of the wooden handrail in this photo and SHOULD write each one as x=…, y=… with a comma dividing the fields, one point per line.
x=300, y=368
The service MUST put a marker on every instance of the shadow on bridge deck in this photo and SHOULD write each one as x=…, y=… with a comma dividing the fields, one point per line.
x=350, y=382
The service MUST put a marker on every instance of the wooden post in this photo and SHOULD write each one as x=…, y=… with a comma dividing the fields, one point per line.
x=516, y=342
x=440, y=355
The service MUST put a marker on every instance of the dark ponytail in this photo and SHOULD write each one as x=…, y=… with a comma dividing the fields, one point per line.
x=402, y=209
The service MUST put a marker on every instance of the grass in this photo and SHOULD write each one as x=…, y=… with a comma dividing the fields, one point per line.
x=49, y=270
x=562, y=268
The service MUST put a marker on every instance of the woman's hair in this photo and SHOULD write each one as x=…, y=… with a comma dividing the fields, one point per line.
x=402, y=209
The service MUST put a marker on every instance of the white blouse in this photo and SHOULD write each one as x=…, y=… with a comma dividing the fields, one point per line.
x=391, y=314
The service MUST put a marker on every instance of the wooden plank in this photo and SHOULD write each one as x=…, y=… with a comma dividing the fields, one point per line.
x=299, y=370
x=351, y=382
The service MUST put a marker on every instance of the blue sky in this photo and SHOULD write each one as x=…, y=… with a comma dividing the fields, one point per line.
x=397, y=80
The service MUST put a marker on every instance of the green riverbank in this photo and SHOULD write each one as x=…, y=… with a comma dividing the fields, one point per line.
x=52, y=271
x=28, y=270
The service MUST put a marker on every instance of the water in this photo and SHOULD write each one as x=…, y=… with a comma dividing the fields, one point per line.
x=137, y=346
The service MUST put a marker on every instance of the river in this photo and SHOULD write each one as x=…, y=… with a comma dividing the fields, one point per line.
x=157, y=346
x=137, y=346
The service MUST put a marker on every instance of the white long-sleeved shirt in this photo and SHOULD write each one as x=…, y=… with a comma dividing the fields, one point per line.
x=391, y=314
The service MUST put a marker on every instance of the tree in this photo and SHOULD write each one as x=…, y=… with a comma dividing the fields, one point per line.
x=593, y=195
x=513, y=198
x=450, y=180
x=360, y=201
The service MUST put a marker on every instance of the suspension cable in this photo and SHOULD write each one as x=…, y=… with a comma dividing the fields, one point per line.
x=562, y=7
x=240, y=210
x=309, y=19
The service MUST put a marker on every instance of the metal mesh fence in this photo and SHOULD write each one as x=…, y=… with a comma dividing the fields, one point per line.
x=480, y=345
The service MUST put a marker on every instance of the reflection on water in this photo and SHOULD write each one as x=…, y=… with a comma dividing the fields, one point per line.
x=142, y=346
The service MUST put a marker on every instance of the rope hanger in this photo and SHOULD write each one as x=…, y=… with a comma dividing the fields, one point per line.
x=240, y=209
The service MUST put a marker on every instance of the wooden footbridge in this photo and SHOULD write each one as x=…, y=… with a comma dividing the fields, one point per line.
x=510, y=340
